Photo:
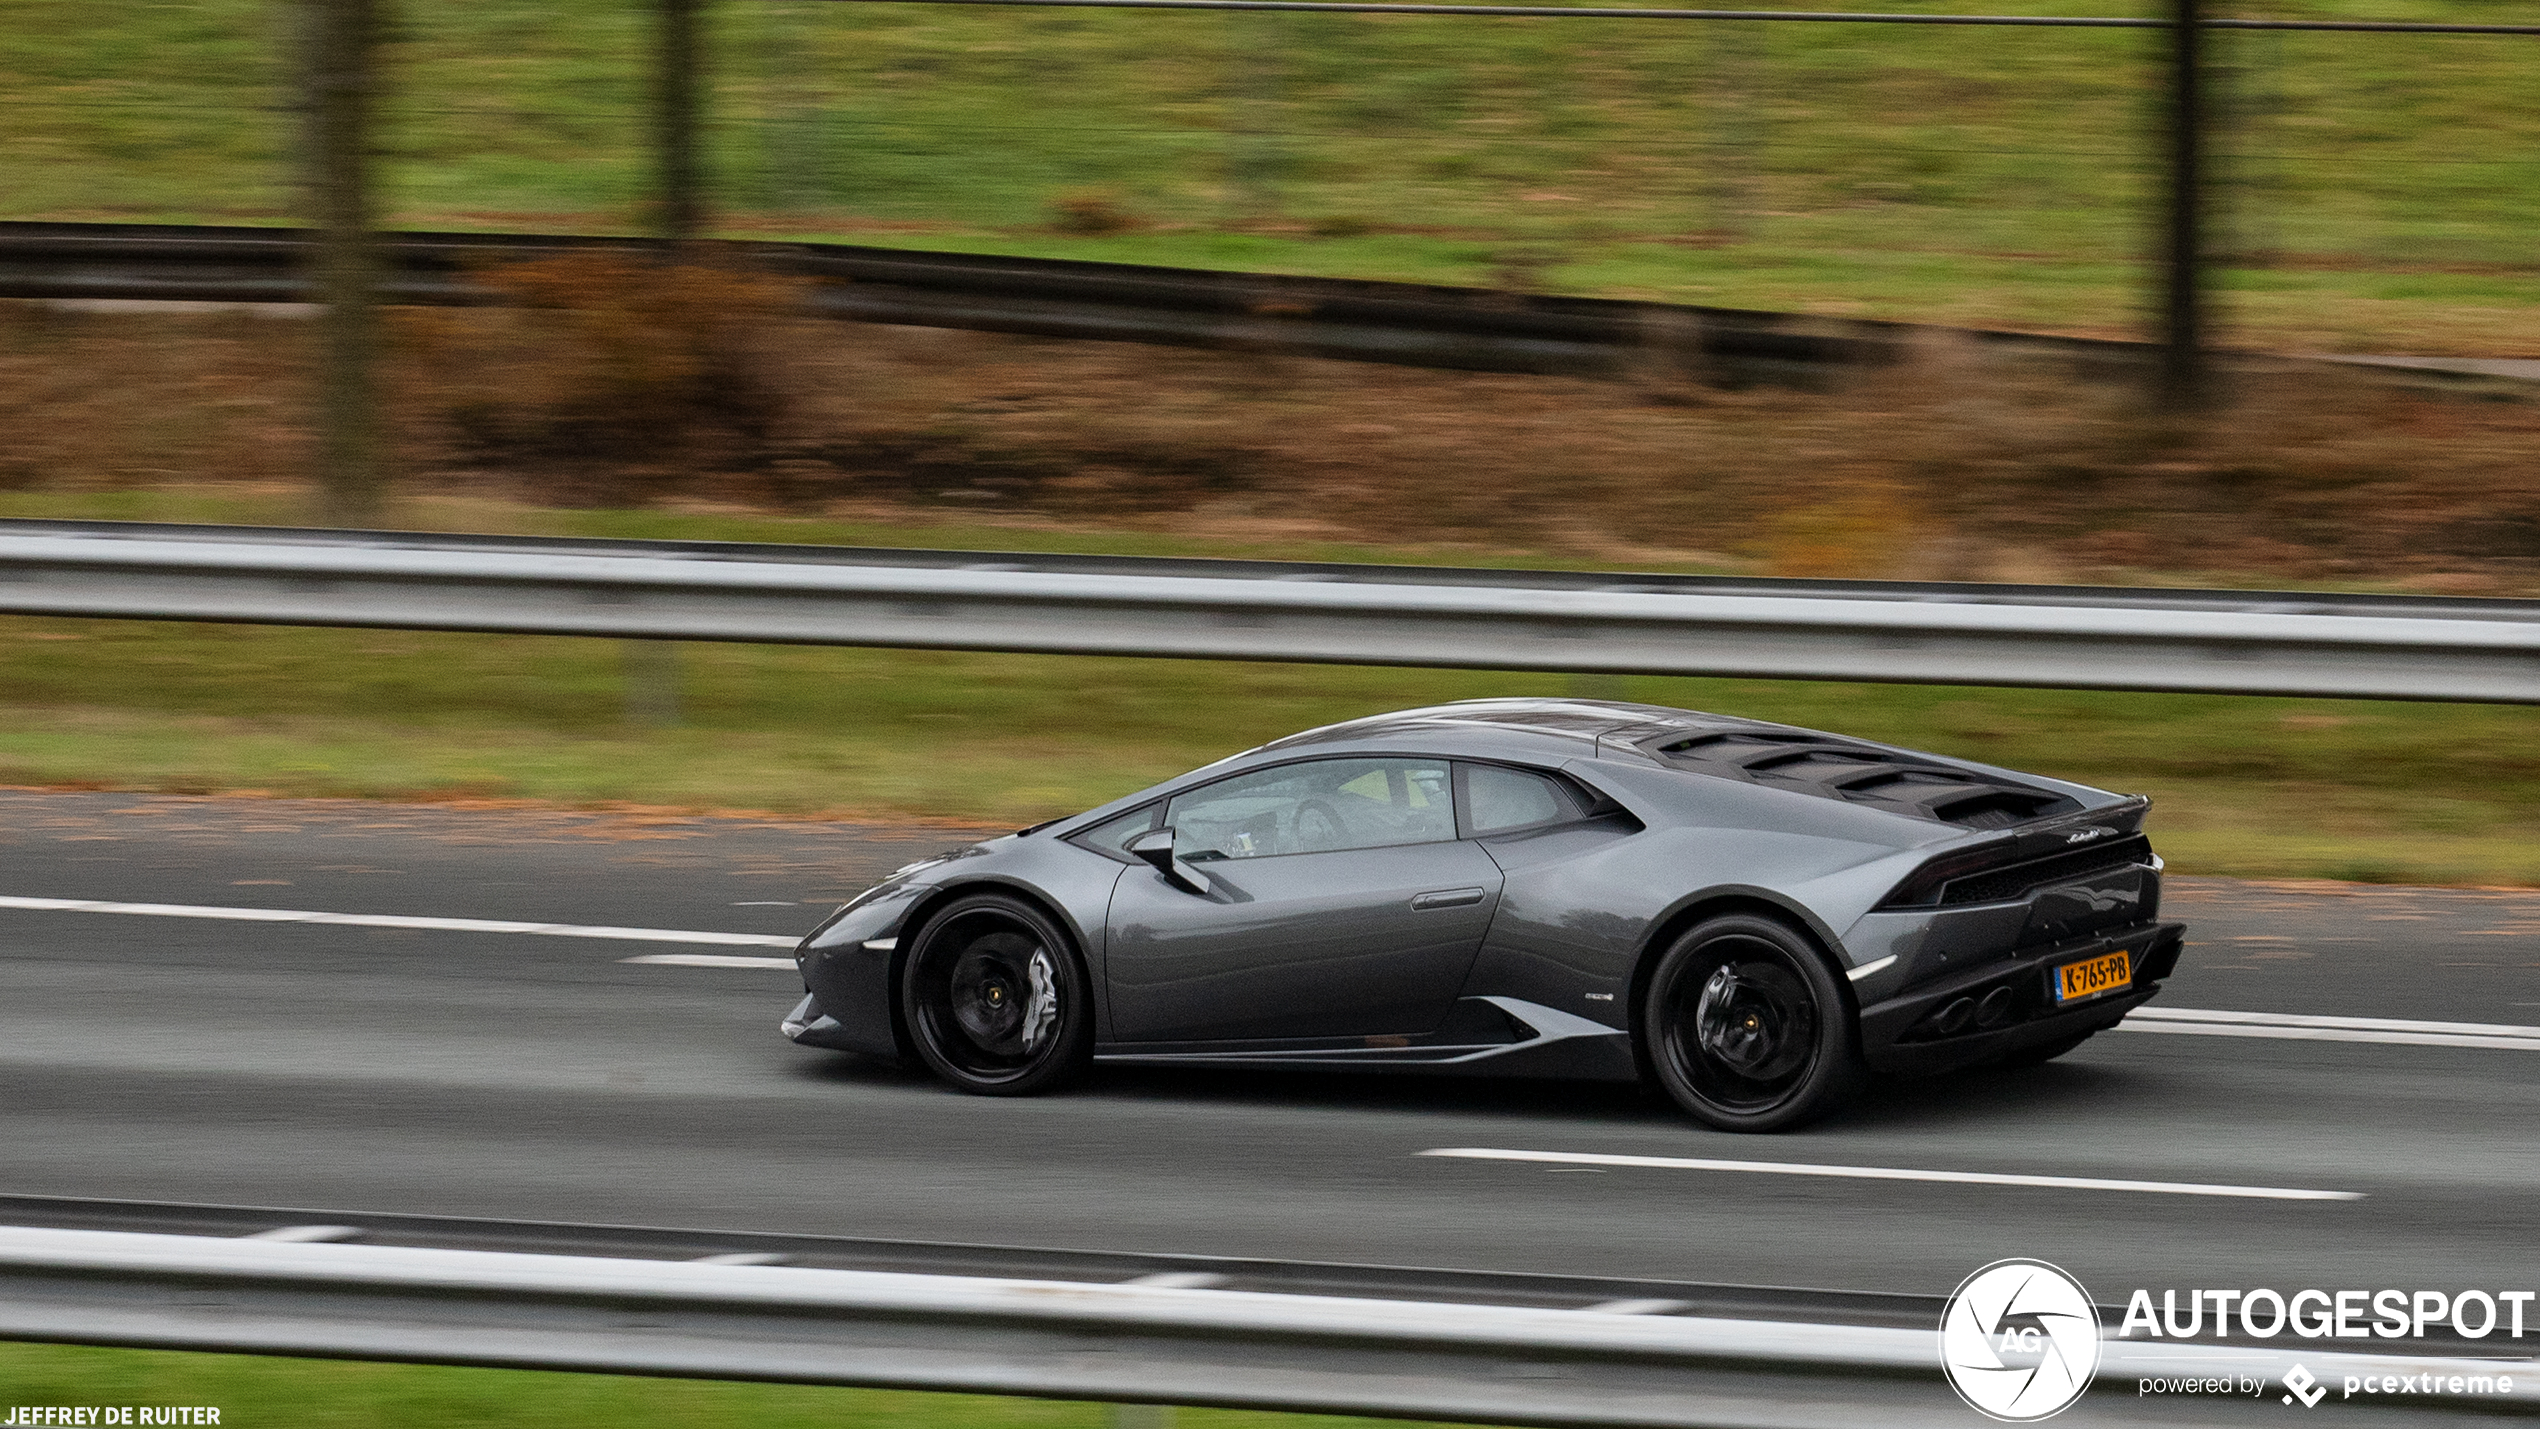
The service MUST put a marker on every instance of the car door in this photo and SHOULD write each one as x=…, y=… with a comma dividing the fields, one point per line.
x=1339, y=903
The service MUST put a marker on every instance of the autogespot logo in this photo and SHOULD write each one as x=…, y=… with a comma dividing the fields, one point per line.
x=2020, y=1340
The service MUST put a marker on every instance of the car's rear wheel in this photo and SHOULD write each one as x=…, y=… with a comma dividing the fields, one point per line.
x=1748, y=1028
x=995, y=998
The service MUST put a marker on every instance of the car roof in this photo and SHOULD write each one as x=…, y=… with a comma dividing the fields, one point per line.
x=1551, y=728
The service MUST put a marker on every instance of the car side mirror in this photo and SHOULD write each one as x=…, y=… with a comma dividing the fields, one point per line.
x=1155, y=846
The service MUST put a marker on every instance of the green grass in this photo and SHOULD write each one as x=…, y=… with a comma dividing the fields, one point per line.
x=254, y=1392
x=1977, y=175
x=2249, y=786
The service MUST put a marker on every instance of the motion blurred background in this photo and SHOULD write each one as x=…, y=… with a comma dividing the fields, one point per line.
x=2373, y=190
x=2367, y=193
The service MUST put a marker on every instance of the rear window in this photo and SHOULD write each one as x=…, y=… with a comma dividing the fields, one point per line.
x=1498, y=799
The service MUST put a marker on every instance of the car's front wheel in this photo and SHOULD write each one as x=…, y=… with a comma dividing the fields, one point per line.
x=996, y=999
x=1747, y=1026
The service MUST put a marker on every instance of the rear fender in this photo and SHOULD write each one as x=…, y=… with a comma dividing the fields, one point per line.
x=1718, y=902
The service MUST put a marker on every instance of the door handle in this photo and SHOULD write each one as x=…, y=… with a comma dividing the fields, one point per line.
x=1445, y=898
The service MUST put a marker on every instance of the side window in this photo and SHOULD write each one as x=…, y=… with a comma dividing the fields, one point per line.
x=1497, y=799
x=1324, y=806
x=1112, y=835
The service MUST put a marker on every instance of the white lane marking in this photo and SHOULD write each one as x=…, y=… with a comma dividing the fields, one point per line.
x=712, y=960
x=2370, y=1024
x=387, y=920
x=1636, y=1307
x=743, y=1257
x=1894, y=1173
x=2336, y=1034
x=2294, y=1027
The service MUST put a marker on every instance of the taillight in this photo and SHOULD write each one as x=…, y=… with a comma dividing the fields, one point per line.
x=1922, y=887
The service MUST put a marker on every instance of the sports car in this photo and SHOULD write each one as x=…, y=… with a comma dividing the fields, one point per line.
x=1757, y=918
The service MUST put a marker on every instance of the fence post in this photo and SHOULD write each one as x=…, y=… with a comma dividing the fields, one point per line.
x=652, y=666
x=339, y=41
x=2183, y=308
x=678, y=202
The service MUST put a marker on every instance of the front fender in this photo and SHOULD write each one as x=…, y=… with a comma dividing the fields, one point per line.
x=846, y=967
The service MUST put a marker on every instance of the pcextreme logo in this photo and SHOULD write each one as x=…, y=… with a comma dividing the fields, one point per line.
x=2020, y=1340
x=2305, y=1386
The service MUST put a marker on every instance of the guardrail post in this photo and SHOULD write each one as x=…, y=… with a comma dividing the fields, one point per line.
x=678, y=203
x=2182, y=307
x=339, y=41
x=651, y=672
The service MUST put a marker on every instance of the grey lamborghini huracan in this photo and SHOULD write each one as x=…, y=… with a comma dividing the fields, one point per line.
x=1755, y=916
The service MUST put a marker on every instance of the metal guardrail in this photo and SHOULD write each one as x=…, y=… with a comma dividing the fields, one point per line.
x=1410, y=324
x=1404, y=324
x=2275, y=643
x=1010, y=1262
x=304, y=1291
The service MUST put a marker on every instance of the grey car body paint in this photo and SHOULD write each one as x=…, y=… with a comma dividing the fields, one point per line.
x=1323, y=959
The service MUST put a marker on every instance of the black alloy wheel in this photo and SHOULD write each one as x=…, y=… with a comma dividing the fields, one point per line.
x=996, y=999
x=1748, y=1028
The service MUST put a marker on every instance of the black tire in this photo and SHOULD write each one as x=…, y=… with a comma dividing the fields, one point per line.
x=1748, y=1028
x=2041, y=1054
x=996, y=999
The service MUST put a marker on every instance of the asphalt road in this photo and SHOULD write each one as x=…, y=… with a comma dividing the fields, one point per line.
x=534, y=1077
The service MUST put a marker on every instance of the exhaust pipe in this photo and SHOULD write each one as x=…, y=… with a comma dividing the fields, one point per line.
x=1995, y=1007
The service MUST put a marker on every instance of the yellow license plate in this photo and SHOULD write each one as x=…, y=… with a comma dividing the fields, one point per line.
x=2093, y=976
